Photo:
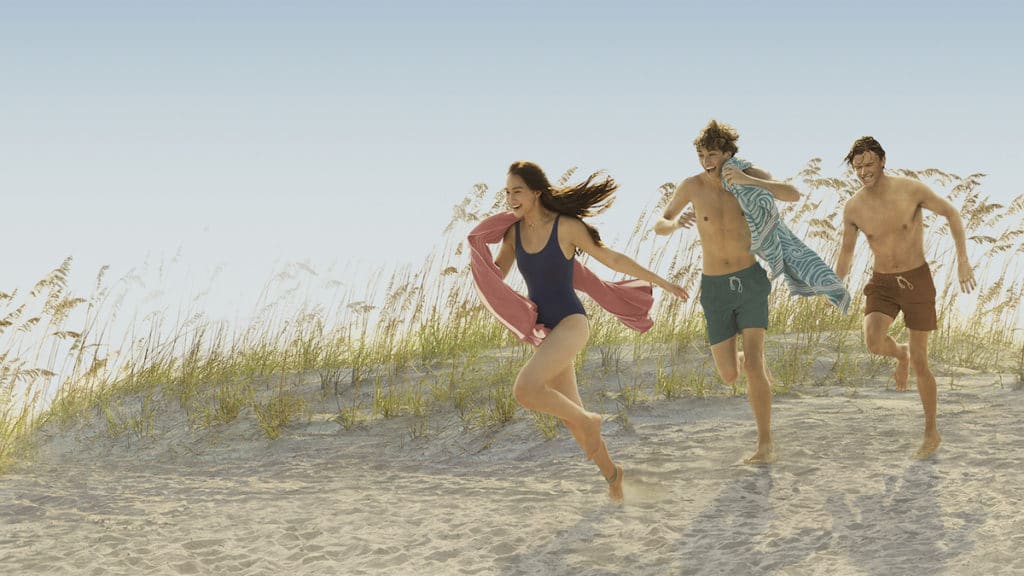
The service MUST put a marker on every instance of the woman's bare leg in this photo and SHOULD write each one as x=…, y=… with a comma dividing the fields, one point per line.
x=533, y=387
x=565, y=383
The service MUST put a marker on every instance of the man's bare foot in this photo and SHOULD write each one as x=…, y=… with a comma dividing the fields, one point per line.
x=615, y=484
x=765, y=455
x=902, y=373
x=591, y=434
x=928, y=446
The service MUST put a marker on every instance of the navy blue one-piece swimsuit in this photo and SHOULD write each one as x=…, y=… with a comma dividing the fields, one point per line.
x=548, y=276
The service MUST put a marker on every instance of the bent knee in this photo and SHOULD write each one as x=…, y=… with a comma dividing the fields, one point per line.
x=524, y=394
x=729, y=375
x=875, y=344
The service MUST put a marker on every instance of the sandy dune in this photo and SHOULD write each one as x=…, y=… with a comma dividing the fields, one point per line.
x=845, y=497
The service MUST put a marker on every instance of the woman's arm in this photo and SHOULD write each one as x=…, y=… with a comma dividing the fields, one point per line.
x=507, y=253
x=617, y=261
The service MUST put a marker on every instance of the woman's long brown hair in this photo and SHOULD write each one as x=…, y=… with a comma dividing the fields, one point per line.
x=588, y=198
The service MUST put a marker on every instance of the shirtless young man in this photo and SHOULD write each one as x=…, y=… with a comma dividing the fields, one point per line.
x=888, y=210
x=734, y=287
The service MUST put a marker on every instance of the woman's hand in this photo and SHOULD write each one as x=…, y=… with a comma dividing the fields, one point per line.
x=677, y=291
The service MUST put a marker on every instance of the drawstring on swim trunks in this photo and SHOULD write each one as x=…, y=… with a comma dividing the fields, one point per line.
x=904, y=283
x=739, y=284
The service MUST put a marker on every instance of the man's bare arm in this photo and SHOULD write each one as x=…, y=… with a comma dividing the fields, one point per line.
x=754, y=176
x=939, y=205
x=850, y=231
x=670, y=221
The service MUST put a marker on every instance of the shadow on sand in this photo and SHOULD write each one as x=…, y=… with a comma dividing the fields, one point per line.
x=902, y=525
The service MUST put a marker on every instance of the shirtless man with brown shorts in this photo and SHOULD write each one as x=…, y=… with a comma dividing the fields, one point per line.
x=888, y=210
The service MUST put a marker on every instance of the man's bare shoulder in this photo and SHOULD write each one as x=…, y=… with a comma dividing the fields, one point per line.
x=854, y=203
x=685, y=190
x=860, y=208
x=904, y=181
x=693, y=184
x=691, y=181
x=908, y=186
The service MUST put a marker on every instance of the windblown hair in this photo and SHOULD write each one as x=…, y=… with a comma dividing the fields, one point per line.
x=862, y=145
x=588, y=198
x=718, y=136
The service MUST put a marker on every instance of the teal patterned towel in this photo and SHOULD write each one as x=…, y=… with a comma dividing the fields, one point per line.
x=806, y=273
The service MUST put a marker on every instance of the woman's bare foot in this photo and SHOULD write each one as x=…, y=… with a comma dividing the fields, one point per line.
x=765, y=455
x=902, y=373
x=928, y=446
x=615, y=484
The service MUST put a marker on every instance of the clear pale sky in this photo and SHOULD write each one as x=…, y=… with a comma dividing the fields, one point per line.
x=248, y=133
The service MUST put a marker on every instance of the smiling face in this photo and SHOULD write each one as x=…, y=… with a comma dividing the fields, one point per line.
x=520, y=199
x=869, y=168
x=712, y=160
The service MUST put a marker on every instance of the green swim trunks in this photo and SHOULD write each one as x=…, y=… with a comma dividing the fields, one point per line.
x=735, y=301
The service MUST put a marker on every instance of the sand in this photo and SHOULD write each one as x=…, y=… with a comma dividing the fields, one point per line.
x=845, y=497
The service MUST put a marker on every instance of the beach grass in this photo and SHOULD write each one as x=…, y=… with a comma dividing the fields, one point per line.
x=416, y=341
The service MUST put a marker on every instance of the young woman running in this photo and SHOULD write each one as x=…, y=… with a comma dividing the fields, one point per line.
x=543, y=242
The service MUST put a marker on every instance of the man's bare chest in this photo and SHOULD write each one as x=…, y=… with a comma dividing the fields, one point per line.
x=717, y=209
x=879, y=220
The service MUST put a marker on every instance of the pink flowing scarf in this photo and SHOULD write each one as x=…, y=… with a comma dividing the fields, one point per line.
x=628, y=300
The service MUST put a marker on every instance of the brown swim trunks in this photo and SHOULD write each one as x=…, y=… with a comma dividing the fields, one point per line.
x=912, y=291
